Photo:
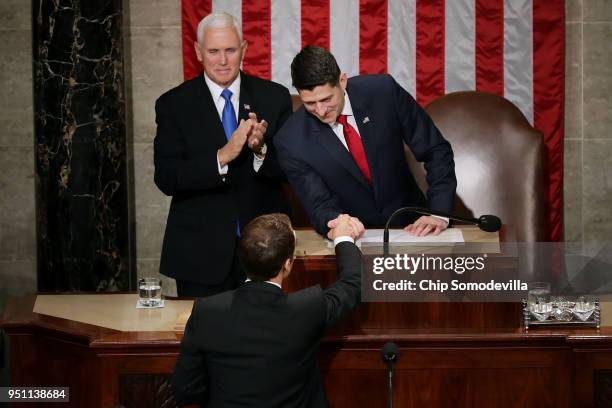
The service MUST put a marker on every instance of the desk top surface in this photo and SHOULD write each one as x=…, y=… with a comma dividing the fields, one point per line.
x=115, y=311
x=309, y=243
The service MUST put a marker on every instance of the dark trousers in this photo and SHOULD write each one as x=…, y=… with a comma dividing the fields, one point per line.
x=235, y=278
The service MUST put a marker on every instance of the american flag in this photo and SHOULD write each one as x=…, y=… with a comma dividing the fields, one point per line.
x=513, y=48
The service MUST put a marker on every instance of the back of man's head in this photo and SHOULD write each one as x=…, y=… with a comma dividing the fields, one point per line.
x=265, y=244
x=314, y=66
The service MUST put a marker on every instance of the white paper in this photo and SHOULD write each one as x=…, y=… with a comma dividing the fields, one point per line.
x=448, y=236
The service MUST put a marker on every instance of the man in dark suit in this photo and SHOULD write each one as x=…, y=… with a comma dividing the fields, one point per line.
x=343, y=150
x=214, y=155
x=257, y=346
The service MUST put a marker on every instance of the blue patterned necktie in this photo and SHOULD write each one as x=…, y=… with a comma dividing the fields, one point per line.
x=228, y=117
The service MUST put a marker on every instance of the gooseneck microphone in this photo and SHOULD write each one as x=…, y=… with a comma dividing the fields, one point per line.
x=488, y=223
x=390, y=354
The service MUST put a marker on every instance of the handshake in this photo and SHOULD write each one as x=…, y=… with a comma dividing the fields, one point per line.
x=345, y=225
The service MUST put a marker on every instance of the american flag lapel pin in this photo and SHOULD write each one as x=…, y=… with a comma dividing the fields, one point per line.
x=247, y=107
x=365, y=120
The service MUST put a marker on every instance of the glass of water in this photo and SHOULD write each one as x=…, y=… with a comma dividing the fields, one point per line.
x=149, y=292
x=538, y=300
x=584, y=308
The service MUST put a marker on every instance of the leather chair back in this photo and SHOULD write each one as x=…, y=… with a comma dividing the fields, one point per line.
x=499, y=161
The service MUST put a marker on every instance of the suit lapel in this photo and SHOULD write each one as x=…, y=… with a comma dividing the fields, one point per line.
x=209, y=118
x=326, y=137
x=245, y=104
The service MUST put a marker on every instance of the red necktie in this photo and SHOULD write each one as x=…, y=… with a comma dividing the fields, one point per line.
x=353, y=141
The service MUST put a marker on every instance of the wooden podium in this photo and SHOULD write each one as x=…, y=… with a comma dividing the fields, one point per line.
x=452, y=354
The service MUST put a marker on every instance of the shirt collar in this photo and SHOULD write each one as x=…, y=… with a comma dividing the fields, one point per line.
x=215, y=89
x=346, y=110
x=271, y=283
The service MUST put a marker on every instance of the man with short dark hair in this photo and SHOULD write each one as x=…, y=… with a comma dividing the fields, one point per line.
x=257, y=346
x=343, y=151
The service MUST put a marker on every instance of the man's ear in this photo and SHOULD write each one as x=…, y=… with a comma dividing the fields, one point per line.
x=198, y=51
x=343, y=81
x=244, y=47
x=288, y=266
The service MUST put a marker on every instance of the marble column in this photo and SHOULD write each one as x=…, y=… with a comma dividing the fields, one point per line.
x=82, y=188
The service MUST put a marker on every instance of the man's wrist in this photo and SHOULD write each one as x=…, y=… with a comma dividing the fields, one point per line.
x=442, y=218
x=221, y=167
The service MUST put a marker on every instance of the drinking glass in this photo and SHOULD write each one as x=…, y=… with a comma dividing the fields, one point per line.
x=149, y=292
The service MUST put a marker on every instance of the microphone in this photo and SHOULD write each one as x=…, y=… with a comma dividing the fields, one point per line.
x=488, y=223
x=390, y=354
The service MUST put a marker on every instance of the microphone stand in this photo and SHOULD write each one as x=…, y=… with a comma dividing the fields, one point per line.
x=390, y=387
x=489, y=223
x=390, y=355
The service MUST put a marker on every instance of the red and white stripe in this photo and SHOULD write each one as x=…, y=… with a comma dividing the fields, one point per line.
x=513, y=48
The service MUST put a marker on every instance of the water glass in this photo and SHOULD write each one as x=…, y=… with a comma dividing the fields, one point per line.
x=538, y=300
x=584, y=308
x=149, y=292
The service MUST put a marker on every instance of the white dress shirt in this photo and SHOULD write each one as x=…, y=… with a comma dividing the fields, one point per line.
x=215, y=91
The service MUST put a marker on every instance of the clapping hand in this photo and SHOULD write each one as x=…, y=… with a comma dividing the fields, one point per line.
x=255, y=139
x=234, y=145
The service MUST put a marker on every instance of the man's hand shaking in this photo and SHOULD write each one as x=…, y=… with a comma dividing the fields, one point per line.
x=345, y=225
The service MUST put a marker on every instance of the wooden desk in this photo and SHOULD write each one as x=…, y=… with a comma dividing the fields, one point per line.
x=452, y=354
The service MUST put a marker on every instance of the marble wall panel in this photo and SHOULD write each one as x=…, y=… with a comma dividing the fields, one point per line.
x=17, y=201
x=597, y=10
x=572, y=200
x=17, y=209
x=151, y=205
x=573, y=10
x=156, y=61
x=16, y=85
x=17, y=278
x=597, y=77
x=573, y=81
x=597, y=181
x=155, y=13
x=82, y=189
x=15, y=15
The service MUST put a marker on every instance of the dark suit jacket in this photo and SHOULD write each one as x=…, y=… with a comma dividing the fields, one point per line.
x=201, y=229
x=326, y=178
x=258, y=347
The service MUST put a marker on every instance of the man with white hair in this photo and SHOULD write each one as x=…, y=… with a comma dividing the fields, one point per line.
x=214, y=155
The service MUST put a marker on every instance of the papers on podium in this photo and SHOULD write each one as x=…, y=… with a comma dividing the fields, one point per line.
x=399, y=236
